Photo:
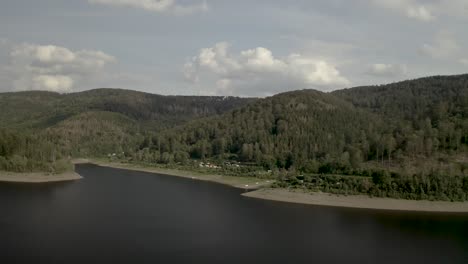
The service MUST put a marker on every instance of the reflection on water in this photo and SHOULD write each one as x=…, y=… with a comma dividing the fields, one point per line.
x=134, y=217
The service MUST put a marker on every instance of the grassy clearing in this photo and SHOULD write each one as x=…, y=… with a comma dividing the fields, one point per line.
x=37, y=177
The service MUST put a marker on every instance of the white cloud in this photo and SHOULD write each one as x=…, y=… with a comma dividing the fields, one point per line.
x=56, y=83
x=258, y=68
x=444, y=46
x=410, y=8
x=159, y=6
x=464, y=61
x=53, y=68
x=387, y=70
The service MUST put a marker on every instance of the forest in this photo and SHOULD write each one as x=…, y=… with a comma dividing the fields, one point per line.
x=27, y=152
x=405, y=140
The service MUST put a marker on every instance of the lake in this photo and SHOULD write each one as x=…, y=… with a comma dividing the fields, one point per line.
x=121, y=216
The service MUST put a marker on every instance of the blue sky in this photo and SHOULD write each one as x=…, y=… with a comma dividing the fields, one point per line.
x=220, y=47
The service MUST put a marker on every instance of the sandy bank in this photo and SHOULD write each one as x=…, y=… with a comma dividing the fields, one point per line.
x=38, y=177
x=246, y=183
x=356, y=201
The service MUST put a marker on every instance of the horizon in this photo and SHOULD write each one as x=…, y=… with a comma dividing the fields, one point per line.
x=238, y=96
x=197, y=47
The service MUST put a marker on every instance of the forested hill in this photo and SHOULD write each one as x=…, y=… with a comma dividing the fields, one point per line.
x=406, y=121
x=39, y=110
x=293, y=129
x=158, y=110
x=406, y=139
x=40, y=130
x=430, y=97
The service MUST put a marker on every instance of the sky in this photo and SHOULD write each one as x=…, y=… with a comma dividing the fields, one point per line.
x=224, y=47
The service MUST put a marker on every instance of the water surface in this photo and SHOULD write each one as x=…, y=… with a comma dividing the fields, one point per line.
x=120, y=216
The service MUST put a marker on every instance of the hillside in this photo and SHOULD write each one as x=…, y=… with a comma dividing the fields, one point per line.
x=406, y=139
x=287, y=130
x=153, y=111
x=431, y=97
x=90, y=123
x=39, y=110
x=95, y=133
x=32, y=109
x=426, y=116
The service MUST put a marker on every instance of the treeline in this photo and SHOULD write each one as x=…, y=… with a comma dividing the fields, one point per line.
x=31, y=153
x=433, y=185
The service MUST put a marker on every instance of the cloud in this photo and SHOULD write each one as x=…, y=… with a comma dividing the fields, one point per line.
x=410, y=8
x=443, y=46
x=53, y=68
x=56, y=83
x=257, y=72
x=387, y=70
x=464, y=61
x=158, y=6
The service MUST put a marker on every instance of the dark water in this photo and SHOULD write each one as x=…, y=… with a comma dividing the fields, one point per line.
x=118, y=216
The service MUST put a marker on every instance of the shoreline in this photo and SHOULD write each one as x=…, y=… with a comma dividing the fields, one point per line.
x=259, y=189
x=38, y=177
x=244, y=183
x=357, y=201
